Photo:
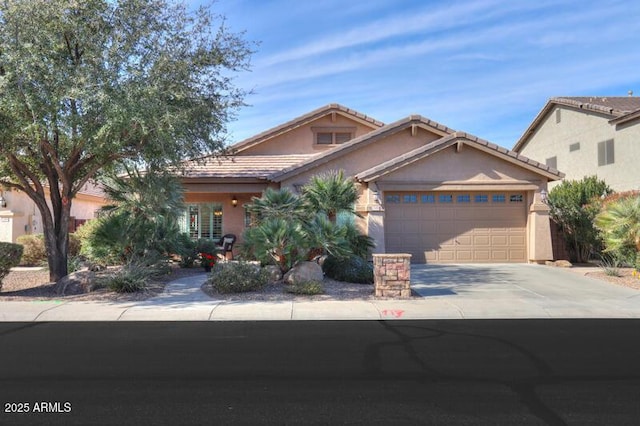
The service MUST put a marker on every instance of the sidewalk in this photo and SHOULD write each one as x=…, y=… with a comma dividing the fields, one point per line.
x=183, y=300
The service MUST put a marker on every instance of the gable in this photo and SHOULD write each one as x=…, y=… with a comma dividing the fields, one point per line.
x=464, y=165
x=297, y=136
x=362, y=156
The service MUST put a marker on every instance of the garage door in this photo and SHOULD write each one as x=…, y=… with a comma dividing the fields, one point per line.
x=470, y=227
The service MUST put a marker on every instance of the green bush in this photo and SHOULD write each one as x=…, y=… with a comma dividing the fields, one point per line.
x=574, y=206
x=10, y=255
x=307, y=288
x=238, y=277
x=35, y=253
x=131, y=278
x=351, y=269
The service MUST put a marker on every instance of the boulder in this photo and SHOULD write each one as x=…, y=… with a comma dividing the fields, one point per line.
x=273, y=273
x=563, y=264
x=304, y=272
x=75, y=283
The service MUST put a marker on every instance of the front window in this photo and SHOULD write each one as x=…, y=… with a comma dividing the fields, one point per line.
x=333, y=135
x=204, y=220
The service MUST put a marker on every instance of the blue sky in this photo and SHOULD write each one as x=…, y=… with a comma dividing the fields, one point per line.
x=485, y=67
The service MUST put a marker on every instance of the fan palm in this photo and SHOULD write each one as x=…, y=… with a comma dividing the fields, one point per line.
x=619, y=223
x=330, y=193
x=276, y=204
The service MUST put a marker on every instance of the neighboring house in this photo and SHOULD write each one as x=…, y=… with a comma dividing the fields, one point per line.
x=20, y=216
x=584, y=136
x=424, y=189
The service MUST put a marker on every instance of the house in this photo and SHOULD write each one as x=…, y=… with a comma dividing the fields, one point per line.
x=424, y=189
x=20, y=216
x=585, y=136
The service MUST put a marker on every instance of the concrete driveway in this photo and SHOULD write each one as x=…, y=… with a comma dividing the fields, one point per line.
x=522, y=291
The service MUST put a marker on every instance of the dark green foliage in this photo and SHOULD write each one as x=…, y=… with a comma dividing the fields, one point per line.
x=88, y=85
x=10, y=255
x=574, y=206
x=237, y=277
x=352, y=269
x=307, y=288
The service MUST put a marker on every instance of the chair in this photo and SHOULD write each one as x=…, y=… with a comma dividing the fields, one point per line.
x=226, y=245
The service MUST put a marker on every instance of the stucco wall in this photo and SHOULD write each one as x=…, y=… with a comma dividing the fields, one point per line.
x=301, y=140
x=553, y=139
x=371, y=155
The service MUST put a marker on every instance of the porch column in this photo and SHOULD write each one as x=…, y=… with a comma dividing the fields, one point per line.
x=540, y=247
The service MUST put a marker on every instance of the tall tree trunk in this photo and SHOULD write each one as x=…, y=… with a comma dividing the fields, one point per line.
x=56, y=239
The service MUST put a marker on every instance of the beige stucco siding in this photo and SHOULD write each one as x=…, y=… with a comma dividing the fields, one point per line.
x=469, y=166
x=301, y=140
x=368, y=156
x=588, y=129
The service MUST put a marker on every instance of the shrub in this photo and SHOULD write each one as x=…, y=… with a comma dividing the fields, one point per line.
x=132, y=278
x=238, y=277
x=351, y=269
x=611, y=264
x=307, y=288
x=574, y=205
x=10, y=255
x=619, y=223
x=35, y=253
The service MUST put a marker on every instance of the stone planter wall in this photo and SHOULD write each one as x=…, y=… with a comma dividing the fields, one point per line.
x=391, y=275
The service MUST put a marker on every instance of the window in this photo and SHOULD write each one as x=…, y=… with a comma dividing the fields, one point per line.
x=445, y=198
x=392, y=199
x=481, y=198
x=516, y=198
x=204, y=221
x=428, y=198
x=605, y=153
x=248, y=218
x=574, y=147
x=333, y=135
x=498, y=198
x=552, y=162
x=558, y=116
x=464, y=198
x=411, y=198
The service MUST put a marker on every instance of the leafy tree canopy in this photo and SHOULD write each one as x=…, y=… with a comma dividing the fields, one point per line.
x=85, y=85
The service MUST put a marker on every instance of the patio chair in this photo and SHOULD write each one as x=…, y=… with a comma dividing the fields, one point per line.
x=226, y=246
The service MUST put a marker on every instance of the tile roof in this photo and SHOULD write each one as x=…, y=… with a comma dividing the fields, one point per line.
x=241, y=166
x=611, y=106
x=361, y=141
x=447, y=141
x=301, y=120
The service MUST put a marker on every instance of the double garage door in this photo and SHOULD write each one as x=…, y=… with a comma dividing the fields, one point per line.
x=457, y=227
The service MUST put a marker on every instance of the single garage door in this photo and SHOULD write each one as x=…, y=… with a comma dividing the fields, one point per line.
x=457, y=227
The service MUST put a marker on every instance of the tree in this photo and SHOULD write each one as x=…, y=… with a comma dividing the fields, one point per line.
x=619, y=222
x=330, y=193
x=573, y=207
x=85, y=86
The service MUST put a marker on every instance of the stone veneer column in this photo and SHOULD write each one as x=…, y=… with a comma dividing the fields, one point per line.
x=391, y=275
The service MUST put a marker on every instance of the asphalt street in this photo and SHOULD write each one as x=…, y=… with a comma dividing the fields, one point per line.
x=466, y=372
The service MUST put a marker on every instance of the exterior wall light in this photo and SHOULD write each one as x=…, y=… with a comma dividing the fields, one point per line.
x=544, y=196
x=234, y=201
x=3, y=202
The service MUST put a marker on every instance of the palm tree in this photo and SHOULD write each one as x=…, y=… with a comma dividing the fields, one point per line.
x=330, y=193
x=276, y=204
x=619, y=222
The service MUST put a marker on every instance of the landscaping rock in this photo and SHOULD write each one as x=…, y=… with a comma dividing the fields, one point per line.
x=75, y=283
x=273, y=272
x=304, y=272
x=559, y=263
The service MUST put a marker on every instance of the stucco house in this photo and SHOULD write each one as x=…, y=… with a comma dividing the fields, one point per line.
x=584, y=136
x=424, y=189
x=20, y=216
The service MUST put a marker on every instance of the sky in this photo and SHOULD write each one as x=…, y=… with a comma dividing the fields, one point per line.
x=485, y=67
